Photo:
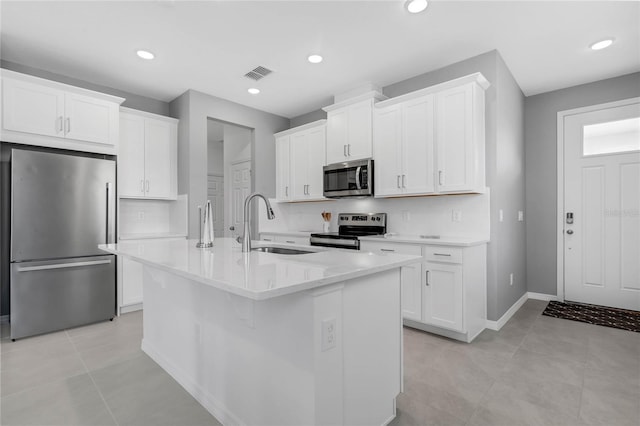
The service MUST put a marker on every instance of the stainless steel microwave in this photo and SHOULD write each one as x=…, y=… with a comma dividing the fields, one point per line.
x=349, y=179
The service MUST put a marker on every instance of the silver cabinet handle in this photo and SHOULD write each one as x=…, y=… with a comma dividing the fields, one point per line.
x=59, y=126
x=267, y=239
x=147, y=185
x=286, y=191
x=68, y=125
x=349, y=150
x=384, y=249
x=141, y=185
x=440, y=180
x=403, y=180
x=569, y=231
x=290, y=242
x=107, y=221
x=358, y=183
x=427, y=282
x=398, y=181
x=63, y=265
x=344, y=150
x=442, y=254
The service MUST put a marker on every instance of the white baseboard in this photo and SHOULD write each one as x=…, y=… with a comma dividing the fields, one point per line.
x=542, y=296
x=497, y=325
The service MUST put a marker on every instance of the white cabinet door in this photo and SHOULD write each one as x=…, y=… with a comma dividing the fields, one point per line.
x=131, y=156
x=417, y=146
x=283, y=169
x=359, y=140
x=32, y=108
x=316, y=140
x=337, y=135
x=158, y=158
x=442, y=295
x=454, y=140
x=131, y=282
x=387, y=148
x=89, y=119
x=299, y=155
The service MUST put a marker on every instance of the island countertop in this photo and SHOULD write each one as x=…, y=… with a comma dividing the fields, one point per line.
x=256, y=275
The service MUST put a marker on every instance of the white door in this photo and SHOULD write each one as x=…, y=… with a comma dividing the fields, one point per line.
x=240, y=189
x=387, y=142
x=299, y=151
x=442, y=296
x=89, y=119
x=417, y=148
x=32, y=108
x=337, y=122
x=283, y=167
x=411, y=293
x=360, y=129
x=316, y=145
x=215, y=193
x=602, y=206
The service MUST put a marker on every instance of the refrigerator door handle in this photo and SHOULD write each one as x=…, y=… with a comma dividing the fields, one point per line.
x=62, y=265
x=108, y=218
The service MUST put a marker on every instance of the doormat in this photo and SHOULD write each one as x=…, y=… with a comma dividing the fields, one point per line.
x=594, y=314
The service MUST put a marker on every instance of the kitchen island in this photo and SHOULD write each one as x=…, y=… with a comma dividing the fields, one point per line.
x=262, y=338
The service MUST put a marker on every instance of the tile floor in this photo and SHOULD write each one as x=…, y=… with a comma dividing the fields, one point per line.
x=537, y=370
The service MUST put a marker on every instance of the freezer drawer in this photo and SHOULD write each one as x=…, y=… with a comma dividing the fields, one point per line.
x=54, y=295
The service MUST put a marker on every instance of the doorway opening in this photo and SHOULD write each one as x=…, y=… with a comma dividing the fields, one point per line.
x=229, y=159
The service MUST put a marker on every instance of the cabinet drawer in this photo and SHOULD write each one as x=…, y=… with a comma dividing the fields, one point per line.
x=443, y=254
x=292, y=240
x=377, y=247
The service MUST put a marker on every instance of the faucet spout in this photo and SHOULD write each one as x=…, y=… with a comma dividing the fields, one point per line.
x=246, y=238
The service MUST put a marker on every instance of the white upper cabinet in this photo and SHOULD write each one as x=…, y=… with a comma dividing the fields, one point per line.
x=46, y=113
x=431, y=141
x=349, y=128
x=147, y=158
x=460, y=141
x=283, y=169
x=303, y=179
x=403, y=148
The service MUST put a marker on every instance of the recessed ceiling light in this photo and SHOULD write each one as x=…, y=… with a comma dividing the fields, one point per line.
x=253, y=91
x=415, y=6
x=145, y=54
x=602, y=44
x=315, y=59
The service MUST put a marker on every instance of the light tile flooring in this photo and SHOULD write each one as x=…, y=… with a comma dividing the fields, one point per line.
x=536, y=370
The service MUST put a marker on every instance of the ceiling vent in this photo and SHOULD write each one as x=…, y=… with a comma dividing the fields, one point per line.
x=258, y=73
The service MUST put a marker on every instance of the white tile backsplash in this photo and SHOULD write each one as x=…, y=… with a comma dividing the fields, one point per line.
x=409, y=215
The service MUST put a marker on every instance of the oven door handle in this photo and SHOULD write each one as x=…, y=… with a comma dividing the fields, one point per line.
x=358, y=171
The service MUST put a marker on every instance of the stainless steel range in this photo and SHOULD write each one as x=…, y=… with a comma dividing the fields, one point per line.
x=350, y=227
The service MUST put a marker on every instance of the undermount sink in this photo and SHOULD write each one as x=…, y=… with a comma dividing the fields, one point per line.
x=280, y=250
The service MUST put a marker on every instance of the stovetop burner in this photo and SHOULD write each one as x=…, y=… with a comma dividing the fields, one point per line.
x=350, y=227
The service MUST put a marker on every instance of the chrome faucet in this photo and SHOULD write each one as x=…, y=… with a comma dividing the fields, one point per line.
x=246, y=237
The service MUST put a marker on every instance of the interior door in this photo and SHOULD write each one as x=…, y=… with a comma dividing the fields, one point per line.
x=602, y=207
x=215, y=193
x=240, y=189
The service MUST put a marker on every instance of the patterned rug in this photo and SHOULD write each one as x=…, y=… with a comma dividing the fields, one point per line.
x=593, y=314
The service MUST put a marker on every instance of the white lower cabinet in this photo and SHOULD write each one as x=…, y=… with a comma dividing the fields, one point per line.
x=444, y=293
x=131, y=283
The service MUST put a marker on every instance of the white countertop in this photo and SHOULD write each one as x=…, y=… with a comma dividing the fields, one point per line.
x=256, y=275
x=290, y=233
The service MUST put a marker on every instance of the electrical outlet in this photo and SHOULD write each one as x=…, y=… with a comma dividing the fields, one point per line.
x=520, y=216
x=511, y=278
x=141, y=215
x=328, y=334
x=501, y=215
x=456, y=215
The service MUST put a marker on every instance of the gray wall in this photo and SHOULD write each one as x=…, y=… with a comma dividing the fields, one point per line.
x=131, y=100
x=308, y=118
x=541, y=114
x=193, y=108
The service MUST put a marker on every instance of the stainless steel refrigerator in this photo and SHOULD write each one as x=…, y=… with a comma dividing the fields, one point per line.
x=61, y=207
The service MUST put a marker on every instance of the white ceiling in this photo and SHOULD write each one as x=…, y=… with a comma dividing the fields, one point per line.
x=209, y=45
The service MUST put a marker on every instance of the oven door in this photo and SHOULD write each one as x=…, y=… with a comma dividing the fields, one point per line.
x=348, y=179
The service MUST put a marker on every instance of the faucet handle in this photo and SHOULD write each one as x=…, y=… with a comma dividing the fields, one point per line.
x=239, y=239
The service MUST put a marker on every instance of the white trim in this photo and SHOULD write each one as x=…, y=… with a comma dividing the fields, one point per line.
x=312, y=125
x=497, y=325
x=560, y=183
x=542, y=296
